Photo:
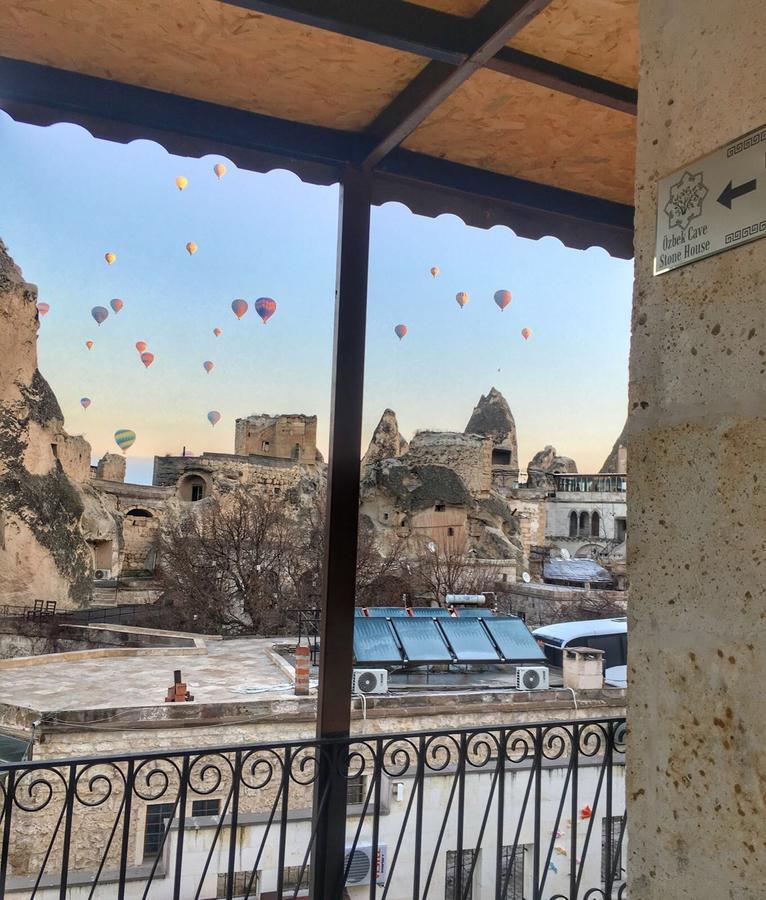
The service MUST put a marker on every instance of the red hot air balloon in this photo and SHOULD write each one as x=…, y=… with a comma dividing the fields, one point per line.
x=502, y=298
x=85, y=402
x=265, y=307
x=89, y=345
x=116, y=305
x=526, y=333
x=214, y=417
x=208, y=366
x=140, y=346
x=147, y=359
x=400, y=331
x=217, y=332
x=43, y=309
x=239, y=308
x=462, y=298
x=100, y=314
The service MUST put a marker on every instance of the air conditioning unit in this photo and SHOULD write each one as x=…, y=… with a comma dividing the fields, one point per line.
x=369, y=681
x=531, y=678
x=361, y=870
x=102, y=574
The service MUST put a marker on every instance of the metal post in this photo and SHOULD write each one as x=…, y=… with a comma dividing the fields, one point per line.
x=342, y=521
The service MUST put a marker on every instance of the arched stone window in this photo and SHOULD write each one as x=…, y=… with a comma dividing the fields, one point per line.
x=140, y=513
x=595, y=525
x=573, y=524
x=192, y=488
x=584, y=524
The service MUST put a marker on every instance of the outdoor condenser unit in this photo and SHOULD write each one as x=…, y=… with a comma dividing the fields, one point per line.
x=369, y=681
x=361, y=870
x=531, y=678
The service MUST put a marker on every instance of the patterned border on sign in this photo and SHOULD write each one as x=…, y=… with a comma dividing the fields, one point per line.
x=746, y=143
x=745, y=232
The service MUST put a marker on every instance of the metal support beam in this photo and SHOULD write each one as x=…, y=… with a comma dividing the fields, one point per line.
x=342, y=525
x=442, y=37
x=496, y=23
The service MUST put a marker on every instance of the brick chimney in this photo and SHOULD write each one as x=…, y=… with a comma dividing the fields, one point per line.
x=177, y=692
x=302, y=667
x=583, y=668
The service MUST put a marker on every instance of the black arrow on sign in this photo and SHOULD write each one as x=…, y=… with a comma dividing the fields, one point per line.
x=730, y=193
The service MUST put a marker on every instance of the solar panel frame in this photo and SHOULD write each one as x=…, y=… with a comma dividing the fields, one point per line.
x=475, y=612
x=386, y=612
x=429, y=612
x=413, y=633
x=376, y=632
x=469, y=640
x=516, y=642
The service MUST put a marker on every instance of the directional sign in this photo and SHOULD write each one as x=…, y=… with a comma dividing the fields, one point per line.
x=713, y=204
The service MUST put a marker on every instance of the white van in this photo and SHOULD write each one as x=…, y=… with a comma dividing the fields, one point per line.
x=609, y=635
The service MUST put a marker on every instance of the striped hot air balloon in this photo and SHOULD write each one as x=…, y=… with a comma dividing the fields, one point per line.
x=124, y=438
x=42, y=309
x=265, y=307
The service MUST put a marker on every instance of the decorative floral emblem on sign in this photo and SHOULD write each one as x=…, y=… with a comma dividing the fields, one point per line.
x=686, y=197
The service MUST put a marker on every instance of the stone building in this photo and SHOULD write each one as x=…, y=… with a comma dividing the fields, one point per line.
x=291, y=437
x=492, y=418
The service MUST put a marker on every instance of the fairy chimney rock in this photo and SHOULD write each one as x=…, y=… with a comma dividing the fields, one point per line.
x=548, y=462
x=492, y=418
x=386, y=442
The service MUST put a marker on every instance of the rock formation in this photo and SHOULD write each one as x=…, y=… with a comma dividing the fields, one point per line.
x=43, y=552
x=547, y=462
x=492, y=417
x=617, y=460
x=386, y=441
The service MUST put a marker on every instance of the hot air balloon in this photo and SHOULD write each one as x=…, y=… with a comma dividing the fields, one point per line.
x=124, y=438
x=140, y=346
x=434, y=271
x=525, y=333
x=462, y=298
x=219, y=169
x=400, y=331
x=239, y=307
x=214, y=417
x=208, y=366
x=85, y=402
x=265, y=307
x=502, y=298
x=100, y=314
x=181, y=182
x=110, y=257
x=43, y=309
x=147, y=359
x=116, y=305
x=191, y=248
x=217, y=332
x=89, y=345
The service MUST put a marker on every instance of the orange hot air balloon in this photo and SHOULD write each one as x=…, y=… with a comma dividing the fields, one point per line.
x=147, y=359
x=502, y=298
x=181, y=182
x=217, y=332
x=191, y=248
x=400, y=331
x=265, y=307
x=462, y=298
x=89, y=345
x=116, y=305
x=219, y=169
x=434, y=271
x=208, y=366
x=43, y=309
x=239, y=307
x=110, y=257
x=140, y=346
x=526, y=333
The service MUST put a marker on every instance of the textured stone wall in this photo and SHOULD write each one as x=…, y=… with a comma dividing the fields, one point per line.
x=111, y=467
x=470, y=455
x=283, y=437
x=697, y=516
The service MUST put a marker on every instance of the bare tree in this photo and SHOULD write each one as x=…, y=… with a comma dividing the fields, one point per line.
x=449, y=569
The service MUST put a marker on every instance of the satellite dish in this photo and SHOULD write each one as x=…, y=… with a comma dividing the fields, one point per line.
x=525, y=577
x=431, y=546
x=565, y=554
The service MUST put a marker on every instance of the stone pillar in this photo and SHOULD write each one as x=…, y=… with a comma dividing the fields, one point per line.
x=583, y=668
x=697, y=438
x=111, y=467
x=302, y=669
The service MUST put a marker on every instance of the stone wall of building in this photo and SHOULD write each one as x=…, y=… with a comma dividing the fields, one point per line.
x=469, y=455
x=111, y=467
x=697, y=516
x=292, y=437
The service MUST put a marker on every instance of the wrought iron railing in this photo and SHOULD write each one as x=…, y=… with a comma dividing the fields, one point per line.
x=524, y=812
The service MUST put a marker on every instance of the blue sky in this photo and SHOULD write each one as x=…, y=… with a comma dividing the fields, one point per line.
x=68, y=199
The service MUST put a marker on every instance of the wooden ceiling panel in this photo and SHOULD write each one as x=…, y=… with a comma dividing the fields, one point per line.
x=212, y=51
x=515, y=128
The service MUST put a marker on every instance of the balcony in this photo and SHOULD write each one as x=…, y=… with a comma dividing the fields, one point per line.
x=524, y=812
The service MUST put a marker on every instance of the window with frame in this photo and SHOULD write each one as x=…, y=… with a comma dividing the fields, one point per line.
x=296, y=878
x=610, y=858
x=206, y=807
x=512, y=885
x=356, y=790
x=244, y=884
x=156, y=824
x=458, y=883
